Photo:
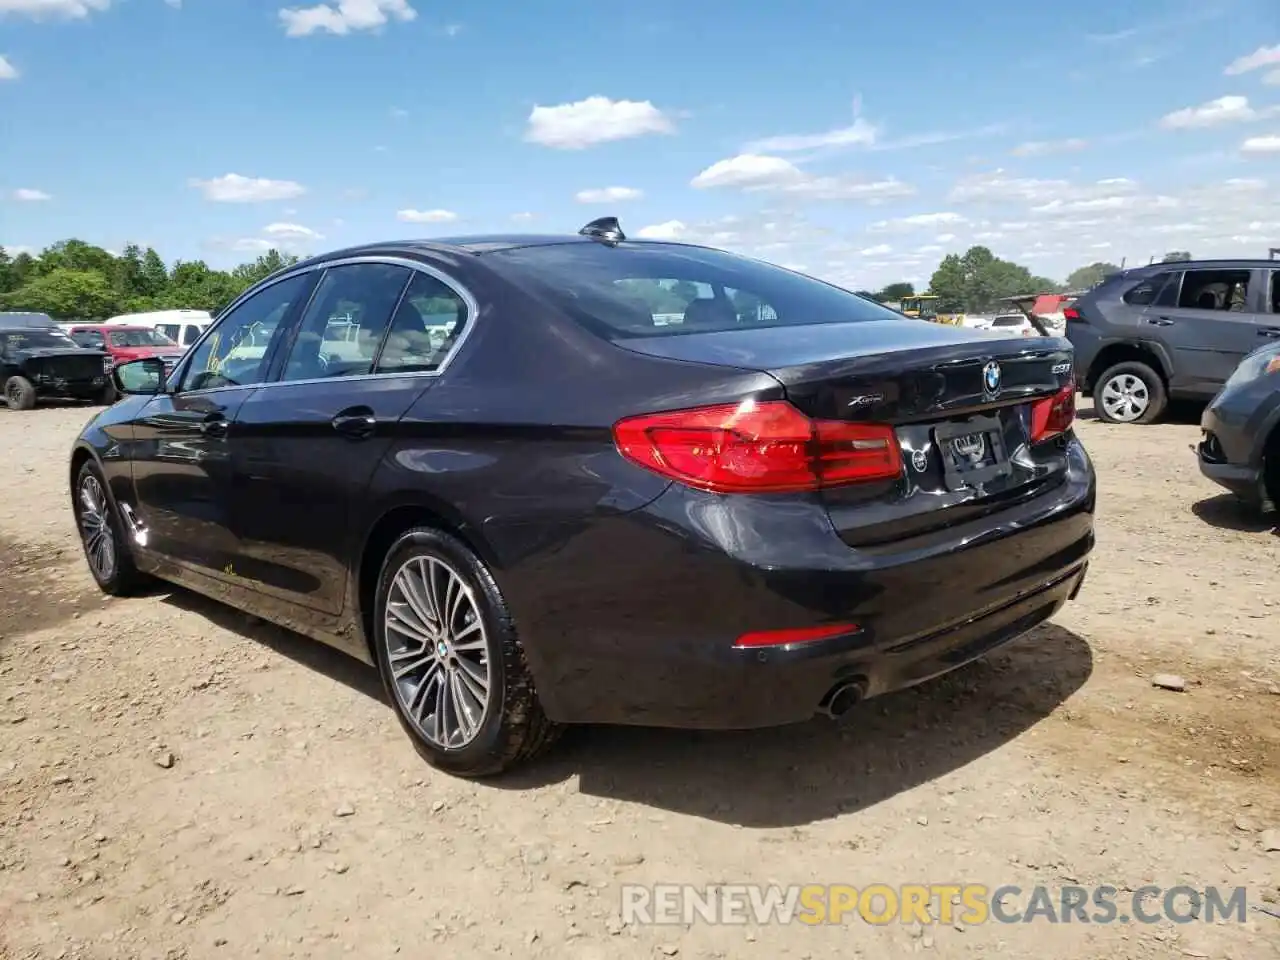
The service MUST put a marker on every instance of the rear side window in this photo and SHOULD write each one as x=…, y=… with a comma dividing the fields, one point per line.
x=1145, y=292
x=1215, y=290
x=170, y=330
x=647, y=290
x=428, y=322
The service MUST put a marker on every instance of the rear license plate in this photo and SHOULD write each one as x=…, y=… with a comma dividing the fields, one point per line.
x=972, y=452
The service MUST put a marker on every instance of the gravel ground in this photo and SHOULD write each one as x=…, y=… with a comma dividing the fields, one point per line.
x=178, y=780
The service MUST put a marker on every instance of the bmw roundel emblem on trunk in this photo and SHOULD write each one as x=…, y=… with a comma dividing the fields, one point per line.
x=991, y=378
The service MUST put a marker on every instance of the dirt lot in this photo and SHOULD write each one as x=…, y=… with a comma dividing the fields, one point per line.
x=178, y=780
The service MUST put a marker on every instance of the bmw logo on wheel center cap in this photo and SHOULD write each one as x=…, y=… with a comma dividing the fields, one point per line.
x=991, y=377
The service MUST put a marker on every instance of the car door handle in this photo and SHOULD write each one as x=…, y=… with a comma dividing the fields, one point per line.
x=215, y=426
x=357, y=423
x=1269, y=332
x=1160, y=321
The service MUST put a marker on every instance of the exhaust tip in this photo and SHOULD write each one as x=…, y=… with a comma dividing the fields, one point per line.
x=842, y=698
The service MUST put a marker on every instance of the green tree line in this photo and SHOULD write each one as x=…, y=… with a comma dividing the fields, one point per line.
x=74, y=280
x=976, y=280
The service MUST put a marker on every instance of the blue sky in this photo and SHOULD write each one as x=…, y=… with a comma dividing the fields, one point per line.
x=858, y=141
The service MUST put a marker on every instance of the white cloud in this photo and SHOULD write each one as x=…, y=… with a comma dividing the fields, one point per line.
x=1262, y=57
x=39, y=9
x=878, y=250
x=917, y=221
x=344, y=17
x=234, y=188
x=573, y=126
x=1231, y=109
x=1272, y=79
x=426, y=216
x=608, y=195
x=998, y=187
x=1040, y=148
x=759, y=172
x=670, y=230
x=29, y=195
x=291, y=231
x=748, y=171
x=523, y=217
x=7, y=70
x=1261, y=145
x=859, y=133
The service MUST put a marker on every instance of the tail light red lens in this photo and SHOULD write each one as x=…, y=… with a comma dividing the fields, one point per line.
x=1071, y=313
x=754, y=447
x=1053, y=415
x=793, y=635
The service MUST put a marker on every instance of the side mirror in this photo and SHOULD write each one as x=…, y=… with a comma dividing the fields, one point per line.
x=145, y=376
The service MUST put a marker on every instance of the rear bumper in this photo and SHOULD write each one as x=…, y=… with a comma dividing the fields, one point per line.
x=633, y=619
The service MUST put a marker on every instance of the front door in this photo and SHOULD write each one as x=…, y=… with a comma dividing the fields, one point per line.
x=310, y=442
x=185, y=438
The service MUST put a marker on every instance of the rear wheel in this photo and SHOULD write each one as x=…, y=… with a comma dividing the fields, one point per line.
x=450, y=659
x=1130, y=392
x=102, y=535
x=19, y=393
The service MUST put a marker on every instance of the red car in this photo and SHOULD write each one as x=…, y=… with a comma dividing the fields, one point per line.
x=127, y=343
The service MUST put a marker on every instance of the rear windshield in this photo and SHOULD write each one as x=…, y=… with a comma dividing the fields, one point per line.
x=139, y=338
x=1009, y=320
x=647, y=290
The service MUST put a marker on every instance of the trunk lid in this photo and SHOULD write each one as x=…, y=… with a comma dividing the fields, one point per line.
x=959, y=400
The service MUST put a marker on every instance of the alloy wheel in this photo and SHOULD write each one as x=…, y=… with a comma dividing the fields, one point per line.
x=95, y=528
x=438, y=652
x=1125, y=397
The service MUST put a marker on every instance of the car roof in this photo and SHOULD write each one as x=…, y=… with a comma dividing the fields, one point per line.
x=1239, y=263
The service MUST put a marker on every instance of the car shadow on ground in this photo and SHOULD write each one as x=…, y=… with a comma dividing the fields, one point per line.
x=1228, y=512
x=303, y=651
x=782, y=777
x=1186, y=412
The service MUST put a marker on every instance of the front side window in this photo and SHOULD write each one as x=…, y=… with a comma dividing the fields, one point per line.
x=235, y=352
x=170, y=330
x=1215, y=290
x=429, y=321
x=345, y=323
x=657, y=290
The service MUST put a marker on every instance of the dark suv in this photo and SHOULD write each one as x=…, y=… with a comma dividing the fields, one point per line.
x=38, y=364
x=1168, y=330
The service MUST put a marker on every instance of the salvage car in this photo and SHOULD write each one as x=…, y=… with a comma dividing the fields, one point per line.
x=122, y=344
x=39, y=364
x=1239, y=447
x=529, y=504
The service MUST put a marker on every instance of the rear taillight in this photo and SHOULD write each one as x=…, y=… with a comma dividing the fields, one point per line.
x=1072, y=315
x=754, y=447
x=1053, y=415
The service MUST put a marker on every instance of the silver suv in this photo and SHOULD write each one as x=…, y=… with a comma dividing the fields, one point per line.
x=1170, y=330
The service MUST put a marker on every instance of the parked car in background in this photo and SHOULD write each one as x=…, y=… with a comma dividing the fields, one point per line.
x=183, y=327
x=38, y=363
x=1170, y=330
x=122, y=343
x=1240, y=431
x=529, y=503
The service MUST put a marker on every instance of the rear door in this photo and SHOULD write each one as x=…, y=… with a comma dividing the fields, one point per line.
x=366, y=349
x=1208, y=322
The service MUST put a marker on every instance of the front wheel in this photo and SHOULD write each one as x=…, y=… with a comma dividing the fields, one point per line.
x=19, y=393
x=102, y=535
x=1130, y=392
x=453, y=667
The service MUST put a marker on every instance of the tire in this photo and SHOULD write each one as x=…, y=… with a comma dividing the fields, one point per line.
x=1138, y=380
x=19, y=393
x=510, y=727
x=112, y=565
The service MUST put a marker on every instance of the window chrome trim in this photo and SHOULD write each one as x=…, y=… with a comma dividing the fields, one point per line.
x=465, y=295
